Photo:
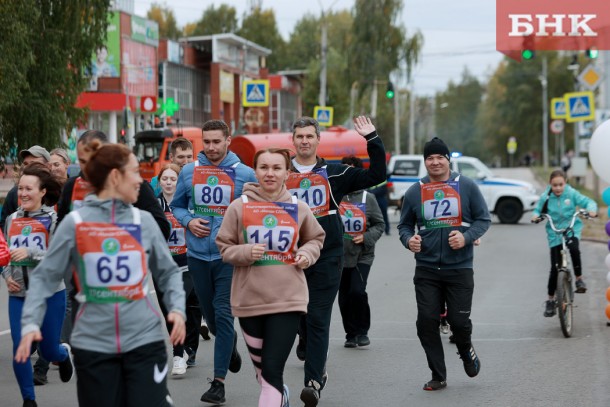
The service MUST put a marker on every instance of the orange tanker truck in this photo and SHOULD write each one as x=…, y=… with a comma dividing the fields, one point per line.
x=152, y=146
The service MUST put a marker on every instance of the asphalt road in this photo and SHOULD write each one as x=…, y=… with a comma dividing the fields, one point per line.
x=525, y=359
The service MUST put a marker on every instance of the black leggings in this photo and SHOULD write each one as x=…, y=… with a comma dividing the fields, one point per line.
x=556, y=260
x=269, y=339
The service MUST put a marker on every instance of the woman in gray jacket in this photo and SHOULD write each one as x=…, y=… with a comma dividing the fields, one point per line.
x=363, y=225
x=117, y=340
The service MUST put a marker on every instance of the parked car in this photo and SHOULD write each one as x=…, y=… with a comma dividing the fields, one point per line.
x=507, y=198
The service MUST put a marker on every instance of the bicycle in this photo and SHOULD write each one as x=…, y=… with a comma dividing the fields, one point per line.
x=564, y=295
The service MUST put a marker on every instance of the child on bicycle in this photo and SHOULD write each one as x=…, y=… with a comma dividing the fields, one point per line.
x=559, y=201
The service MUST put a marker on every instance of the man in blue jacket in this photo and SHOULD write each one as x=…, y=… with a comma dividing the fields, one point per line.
x=205, y=189
x=450, y=215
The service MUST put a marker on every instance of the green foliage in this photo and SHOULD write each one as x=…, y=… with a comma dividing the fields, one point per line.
x=45, y=46
x=456, y=112
x=217, y=21
x=260, y=27
x=164, y=16
x=513, y=105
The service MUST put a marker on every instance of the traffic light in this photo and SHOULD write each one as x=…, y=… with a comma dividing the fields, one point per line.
x=389, y=93
x=592, y=53
x=123, y=137
x=527, y=49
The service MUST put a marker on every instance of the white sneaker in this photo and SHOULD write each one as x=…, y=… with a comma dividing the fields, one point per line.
x=179, y=366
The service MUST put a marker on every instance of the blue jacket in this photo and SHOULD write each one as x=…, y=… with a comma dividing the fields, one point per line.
x=182, y=205
x=435, y=250
x=561, y=208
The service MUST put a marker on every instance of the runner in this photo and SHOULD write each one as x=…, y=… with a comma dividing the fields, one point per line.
x=323, y=186
x=5, y=255
x=118, y=346
x=450, y=214
x=29, y=230
x=168, y=177
x=364, y=225
x=205, y=190
x=270, y=237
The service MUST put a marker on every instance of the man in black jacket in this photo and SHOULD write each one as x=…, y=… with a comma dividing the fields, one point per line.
x=322, y=186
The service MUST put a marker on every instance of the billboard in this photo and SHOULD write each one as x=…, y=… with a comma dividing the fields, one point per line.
x=106, y=60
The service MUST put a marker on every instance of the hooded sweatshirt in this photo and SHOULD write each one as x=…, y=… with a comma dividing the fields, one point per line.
x=182, y=206
x=107, y=327
x=268, y=289
x=34, y=253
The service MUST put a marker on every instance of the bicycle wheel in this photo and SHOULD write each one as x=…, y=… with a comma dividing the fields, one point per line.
x=564, y=301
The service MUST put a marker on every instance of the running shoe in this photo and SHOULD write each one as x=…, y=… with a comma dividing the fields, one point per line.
x=286, y=398
x=204, y=331
x=350, y=343
x=216, y=393
x=40, y=379
x=549, y=309
x=179, y=367
x=581, y=287
x=472, y=364
x=235, y=363
x=433, y=385
x=363, y=340
x=66, y=367
x=29, y=403
x=444, y=326
x=310, y=395
x=191, y=357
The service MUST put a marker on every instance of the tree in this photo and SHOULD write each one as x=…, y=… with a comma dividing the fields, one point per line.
x=456, y=111
x=260, y=27
x=46, y=46
x=217, y=21
x=164, y=16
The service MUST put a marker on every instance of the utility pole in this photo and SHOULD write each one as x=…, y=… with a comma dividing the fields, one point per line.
x=396, y=125
x=545, y=113
x=411, y=119
x=322, y=98
x=374, y=100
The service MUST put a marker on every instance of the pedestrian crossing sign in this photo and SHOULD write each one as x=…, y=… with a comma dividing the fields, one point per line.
x=558, y=108
x=324, y=115
x=580, y=106
x=255, y=92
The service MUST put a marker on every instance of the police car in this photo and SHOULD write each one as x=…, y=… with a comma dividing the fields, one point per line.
x=507, y=198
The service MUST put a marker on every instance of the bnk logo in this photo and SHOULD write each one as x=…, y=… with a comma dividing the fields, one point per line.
x=544, y=25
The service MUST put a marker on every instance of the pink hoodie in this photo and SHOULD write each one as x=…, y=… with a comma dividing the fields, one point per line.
x=260, y=290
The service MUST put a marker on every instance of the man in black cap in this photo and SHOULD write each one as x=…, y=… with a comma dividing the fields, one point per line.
x=31, y=155
x=450, y=215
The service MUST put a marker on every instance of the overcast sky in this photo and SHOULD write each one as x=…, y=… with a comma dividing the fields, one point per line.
x=456, y=34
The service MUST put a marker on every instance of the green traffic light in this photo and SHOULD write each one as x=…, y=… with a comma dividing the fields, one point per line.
x=389, y=94
x=527, y=54
x=592, y=53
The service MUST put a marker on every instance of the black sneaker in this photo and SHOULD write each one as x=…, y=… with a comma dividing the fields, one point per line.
x=40, y=379
x=204, y=331
x=301, y=349
x=472, y=364
x=350, y=343
x=66, y=368
x=216, y=394
x=310, y=395
x=549, y=309
x=363, y=340
x=235, y=363
x=433, y=385
x=581, y=287
x=29, y=403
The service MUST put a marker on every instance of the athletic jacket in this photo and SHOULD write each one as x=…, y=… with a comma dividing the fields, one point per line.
x=268, y=289
x=5, y=255
x=182, y=205
x=19, y=272
x=146, y=201
x=107, y=327
x=435, y=250
x=364, y=253
x=344, y=179
x=561, y=208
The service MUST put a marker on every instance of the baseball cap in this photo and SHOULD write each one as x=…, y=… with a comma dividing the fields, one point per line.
x=35, y=151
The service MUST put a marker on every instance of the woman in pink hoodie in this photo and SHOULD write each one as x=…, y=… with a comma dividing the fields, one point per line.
x=260, y=236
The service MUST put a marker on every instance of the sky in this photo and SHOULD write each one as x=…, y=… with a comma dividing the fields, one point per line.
x=456, y=34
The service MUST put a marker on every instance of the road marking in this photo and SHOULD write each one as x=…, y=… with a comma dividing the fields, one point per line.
x=8, y=331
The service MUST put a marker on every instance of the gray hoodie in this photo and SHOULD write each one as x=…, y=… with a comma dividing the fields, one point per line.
x=109, y=327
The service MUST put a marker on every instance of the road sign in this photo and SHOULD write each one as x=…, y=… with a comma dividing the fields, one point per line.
x=511, y=146
x=580, y=106
x=558, y=108
x=557, y=126
x=255, y=92
x=590, y=78
x=254, y=117
x=324, y=115
x=148, y=104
